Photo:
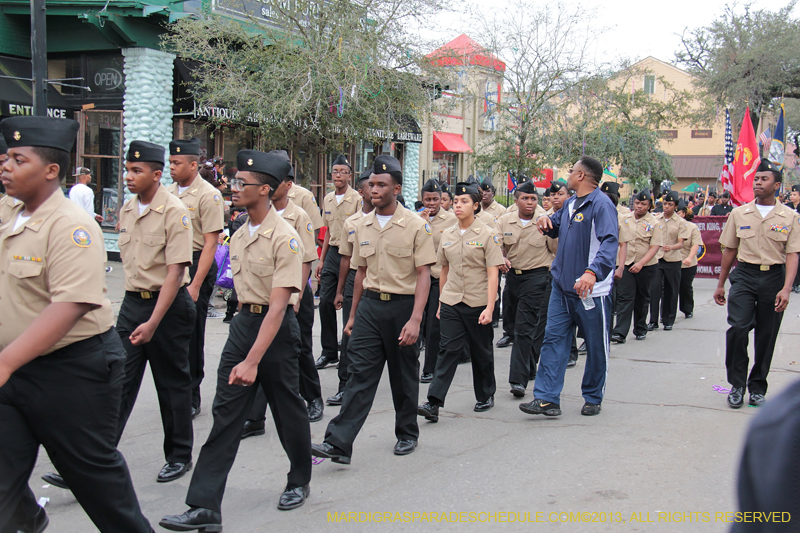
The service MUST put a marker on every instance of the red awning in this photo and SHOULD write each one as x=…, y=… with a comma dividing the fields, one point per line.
x=449, y=142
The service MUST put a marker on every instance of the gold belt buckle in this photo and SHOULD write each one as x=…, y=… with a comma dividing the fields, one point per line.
x=255, y=308
x=763, y=267
x=517, y=271
x=386, y=297
x=146, y=295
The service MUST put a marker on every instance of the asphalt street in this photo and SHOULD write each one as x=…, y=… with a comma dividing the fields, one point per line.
x=665, y=442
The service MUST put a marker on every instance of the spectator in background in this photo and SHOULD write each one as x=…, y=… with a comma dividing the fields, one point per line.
x=704, y=207
x=724, y=207
x=82, y=194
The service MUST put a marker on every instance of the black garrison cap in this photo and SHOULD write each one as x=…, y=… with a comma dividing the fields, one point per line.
x=486, y=184
x=182, y=147
x=255, y=161
x=384, y=164
x=283, y=155
x=644, y=196
x=432, y=186
x=341, y=159
x=672, y=196
x=465, y=188
x=527, y=187
x=556, y=186
x=145, y=151
x=611, y=187
x=44, y=132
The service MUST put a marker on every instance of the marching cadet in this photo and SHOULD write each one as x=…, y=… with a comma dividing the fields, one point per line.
x=339, y=204
x=633, y=293
x=7, y=202
x=488, y=203
x=447, y=198
x=303, y=198
x=439, y=220
x=303, y=308
x=765, y=237
x=668, y=274
x=528, y=256
x=794, y=203
x=546, y=203
x=347, y=277
x=689, y=262
x=470, y=257
x=393, y=250
x=207, y=215
x=61, y=361
x=157, y=315
x=262, y=348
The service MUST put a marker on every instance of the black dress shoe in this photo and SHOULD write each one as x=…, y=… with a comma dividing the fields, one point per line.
x=56, y=480
x=590, y=409
x=667, y=328
x=228, y=319
x=315, y=409
x=484, y=406
x=641, y=337
x=173, y=471
x=336, y=399
x=195, y=412
x=495, y=323
x=617, y=338
x=651, y=326
x=582, y=350
x=757, y=400
x=426, y=377
x=736, y=397
x=404, y=446
x=35, y=524
x=465, y=360
x=293, y=498
x=430, y=412
x=253, y=428
x=505, y=341
x=689, y=315
x=196, y=518
x=325, y=361
x=329, y=451
x=517, y=390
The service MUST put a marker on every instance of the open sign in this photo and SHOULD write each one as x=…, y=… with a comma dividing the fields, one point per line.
x=108, y=79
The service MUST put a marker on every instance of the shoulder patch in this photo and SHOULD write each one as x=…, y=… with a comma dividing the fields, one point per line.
x=314, y=199
x=294, y=246
x=626, y=220
x=310, y=228
x=216, y=199
x=185, y=221
x=81, y=237
x=496, y=239
x=428, y=229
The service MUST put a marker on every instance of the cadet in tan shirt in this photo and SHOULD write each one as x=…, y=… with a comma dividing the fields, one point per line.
x=470, y=256
x=61, y=362
x=439, y=220
x=528, y=256
x=393, y=250
x=157, y=315
x=262, y=348
x=689, y=262
x=765, y=237
x=447, y=198
x=633, y=290
x=303, y=198
x=488, y=204
x=337, y=207
x=207, y=215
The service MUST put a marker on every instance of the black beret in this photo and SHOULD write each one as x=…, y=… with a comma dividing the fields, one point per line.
x=486, y=184
x=527, y=187
x=341, y=159
x=556, y=186
x=611, y=187
x=181, y=147
x=384, y=164
x=795, y=188
x=465, y=188
x=672, y=196
x=644, y=196
x=255, y=161
x=44, y=132
x=3, y=145
x=365, y=175
x=145, y=151
x=283, y=155
x=431, y=186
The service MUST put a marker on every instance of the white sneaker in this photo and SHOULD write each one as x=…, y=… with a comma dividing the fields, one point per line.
x=215, y=314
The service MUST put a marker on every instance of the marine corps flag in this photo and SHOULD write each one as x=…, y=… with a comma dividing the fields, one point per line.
x=745, y=163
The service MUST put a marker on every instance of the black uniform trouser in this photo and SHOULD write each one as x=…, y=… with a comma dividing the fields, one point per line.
x=278, y=378
x=686, y=290
x=664, y=292
x=309, y=377
x=751, y=304
x=509, y=307
x=347, y=305
x=532, y=290
x=432, y=329
x=198, y=341
x=633, y=299
x=68, y=401
x=168, y=355
x=460, y=328
x=328, y=281
x=496, y=311
x=374, y=343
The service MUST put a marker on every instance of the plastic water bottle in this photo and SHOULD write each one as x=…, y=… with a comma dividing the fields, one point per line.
x=588, y=301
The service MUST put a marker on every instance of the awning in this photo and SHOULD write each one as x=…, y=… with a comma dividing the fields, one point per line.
x=450, y=142
x=696, y=166
x=16, y=96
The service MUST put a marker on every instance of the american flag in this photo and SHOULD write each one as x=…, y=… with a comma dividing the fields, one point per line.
x=727, y=166
x=765, y=138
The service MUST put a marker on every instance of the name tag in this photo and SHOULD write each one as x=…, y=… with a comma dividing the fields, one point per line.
x=327, y=212
x=234, y=257
x=363, y=243
x=447, y=244
x=744, y=227
x=123, y=230
x=508, y=234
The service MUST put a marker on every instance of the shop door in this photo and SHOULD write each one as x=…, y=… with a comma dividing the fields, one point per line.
x=100, y=145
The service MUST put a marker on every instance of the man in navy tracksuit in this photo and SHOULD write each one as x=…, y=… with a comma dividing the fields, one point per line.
x=583, y=272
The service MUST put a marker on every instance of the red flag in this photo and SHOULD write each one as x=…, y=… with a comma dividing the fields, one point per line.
x=745, y=163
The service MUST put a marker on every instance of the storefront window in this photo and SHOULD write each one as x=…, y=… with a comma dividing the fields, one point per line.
x=445, y=167
x=233, y=140
x=101, y=153
x=185, y=129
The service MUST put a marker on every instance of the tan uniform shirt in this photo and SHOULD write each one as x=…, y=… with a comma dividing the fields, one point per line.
x=648, y=232
x=525, y=247
x=704, y=211
x=625, y=232
x=688, y=243
x=301, y=224
x=56, y=256
x=674, y=228
x=160, y=236
x=439, y=223
x=346, y=244
x=393, y=253
x=271, y=257
x=495, y=209
x=334, y=214
x=7, y=206
x=488, y=219
x=206, y=210
x=622, y=210
x=512, y=208
x=468, y=256
x=762, y=241
x=305, y=200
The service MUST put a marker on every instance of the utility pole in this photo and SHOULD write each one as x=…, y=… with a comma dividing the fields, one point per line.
x=39, y=57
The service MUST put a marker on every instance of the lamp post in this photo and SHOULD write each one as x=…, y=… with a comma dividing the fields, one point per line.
x=39, y=57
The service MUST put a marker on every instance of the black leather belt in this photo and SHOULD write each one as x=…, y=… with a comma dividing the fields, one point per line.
x=762, y=268
x=144, y=295
x=385, y=296
x=519, y=272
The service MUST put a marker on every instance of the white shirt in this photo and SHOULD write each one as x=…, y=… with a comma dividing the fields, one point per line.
x=525, y=222
x=383, y=219
x=83, y=196
x=765, y=209
x=339, y=198
x=253, y=229
x=182, y=190
x=142, y=207
x=20, y=221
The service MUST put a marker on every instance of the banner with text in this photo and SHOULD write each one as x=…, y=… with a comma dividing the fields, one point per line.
x=709, y=256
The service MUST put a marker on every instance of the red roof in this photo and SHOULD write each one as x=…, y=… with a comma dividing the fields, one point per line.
x=464, y=48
